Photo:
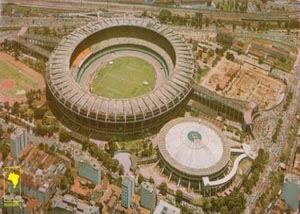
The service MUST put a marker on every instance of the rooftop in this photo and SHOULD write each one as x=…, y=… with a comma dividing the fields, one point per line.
x=17, y=132
x=147, y=186
x=165, y=208
x=193, y=146
x=70, y=203
x=32, y=205
x=291, y=195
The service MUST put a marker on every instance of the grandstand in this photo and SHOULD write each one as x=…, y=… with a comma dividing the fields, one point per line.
x=73, y=63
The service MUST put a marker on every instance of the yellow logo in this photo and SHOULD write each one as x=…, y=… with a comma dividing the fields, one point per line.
x=12, y=186
x=14, y=178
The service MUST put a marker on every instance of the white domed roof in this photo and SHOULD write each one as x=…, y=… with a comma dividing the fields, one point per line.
x=194, y=145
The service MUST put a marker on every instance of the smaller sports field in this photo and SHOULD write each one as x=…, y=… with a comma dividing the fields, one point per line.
x=124, y=77
x=14, y=82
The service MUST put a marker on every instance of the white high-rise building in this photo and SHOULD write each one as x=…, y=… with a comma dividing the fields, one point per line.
x=127, y=190
x=18, y=142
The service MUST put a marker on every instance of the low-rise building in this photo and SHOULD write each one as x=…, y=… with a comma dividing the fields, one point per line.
x=37, y=188
x=90, y=169
x=32, y=206
x=166, y=208
x=69, y=203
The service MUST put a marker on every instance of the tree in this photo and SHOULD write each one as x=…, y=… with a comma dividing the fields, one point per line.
x=197, y=20
x=39, y=113
x=244, y=24
x=206, y=205
x=64, y=136
x=145, y=153
x=195, y=45
x=6, y=105
x=64, y=183
x=46, y=30
x=100, y=205
x=1, y=132
x=163, y=188
x=229, y=56
x=121, y=170
x=224, y=210
x=179, y=196
x=40, y=166
x=199, y=54
x=6, y=118
x=186, y=210
x=151, y=180
x=144, y=14
x=112, y=147
x=294, y=23
x=206, y=21
x=140, y=179
x=150, y=148
x=164, y=16
x=112, y=164
x=211, y=53
x=4, y=149
x=15, y=108
x=16, y=54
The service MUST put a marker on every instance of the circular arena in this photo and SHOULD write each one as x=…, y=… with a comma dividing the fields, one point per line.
x=191, y=150
x=120, y=76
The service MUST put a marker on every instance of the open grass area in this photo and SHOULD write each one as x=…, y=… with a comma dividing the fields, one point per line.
x=15, y=82
x=125, y=77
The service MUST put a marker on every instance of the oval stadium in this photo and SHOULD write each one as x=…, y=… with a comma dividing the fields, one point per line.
x=120, y=76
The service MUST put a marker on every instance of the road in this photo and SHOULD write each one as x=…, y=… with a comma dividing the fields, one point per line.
x=275, y=150
x=32, y=138
x=139, y=8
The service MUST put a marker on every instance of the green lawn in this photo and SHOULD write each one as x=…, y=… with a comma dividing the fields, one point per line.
x=23, y=81
x=124, y=78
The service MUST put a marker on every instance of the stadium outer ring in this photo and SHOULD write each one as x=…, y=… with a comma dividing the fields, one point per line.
x=187, y=171
x=89, y=108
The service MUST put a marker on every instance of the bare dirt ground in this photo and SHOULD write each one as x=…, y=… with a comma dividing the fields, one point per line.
x=244, y=82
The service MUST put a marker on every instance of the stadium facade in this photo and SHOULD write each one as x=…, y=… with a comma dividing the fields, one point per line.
x=194, y=153
x=68, y=76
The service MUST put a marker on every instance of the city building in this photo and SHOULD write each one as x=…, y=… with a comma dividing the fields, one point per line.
x=127, y=190
x=148, y=196
x=37, y=188
x=18, y=142
x=70, y=204
x=90, y=169
x=32, y=206
x=291, y=193
x=165, y=208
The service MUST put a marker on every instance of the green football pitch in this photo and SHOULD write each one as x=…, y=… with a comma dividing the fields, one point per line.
x=125, y=77
x=22, y=82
